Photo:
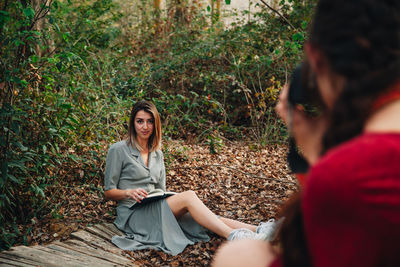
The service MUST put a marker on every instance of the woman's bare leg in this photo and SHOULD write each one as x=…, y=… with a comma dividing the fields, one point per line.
x=236, y=224
x=247, y=252
x=189, y=202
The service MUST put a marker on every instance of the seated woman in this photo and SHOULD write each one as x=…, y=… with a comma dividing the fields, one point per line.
x=348, y=213
x=135, y=167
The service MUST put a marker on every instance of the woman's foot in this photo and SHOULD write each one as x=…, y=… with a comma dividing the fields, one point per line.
x=269, y=230
x=241, y=233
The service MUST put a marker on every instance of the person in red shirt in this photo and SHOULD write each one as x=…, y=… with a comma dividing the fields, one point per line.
x=348, y=211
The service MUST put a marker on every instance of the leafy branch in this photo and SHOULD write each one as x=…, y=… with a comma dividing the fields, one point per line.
x=280, y=15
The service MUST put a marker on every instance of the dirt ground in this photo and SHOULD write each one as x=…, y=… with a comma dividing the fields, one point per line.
x=242, y=181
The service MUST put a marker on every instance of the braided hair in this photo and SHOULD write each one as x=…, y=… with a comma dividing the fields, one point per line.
x=361, y=40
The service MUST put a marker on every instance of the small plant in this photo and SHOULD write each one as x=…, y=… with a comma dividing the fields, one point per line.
x=178, y=152
x=214, y=143
x=67, y=85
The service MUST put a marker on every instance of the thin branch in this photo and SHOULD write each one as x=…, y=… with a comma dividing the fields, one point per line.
x=41, y=8
x=37, y=68
x=280, y=15
x=45, y=9
x=4, y=8
x=235, y=169
x=5, y=5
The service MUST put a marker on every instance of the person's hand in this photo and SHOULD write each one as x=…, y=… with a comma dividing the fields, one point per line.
x=307, y=131
x=282, y=107
x=137, y=194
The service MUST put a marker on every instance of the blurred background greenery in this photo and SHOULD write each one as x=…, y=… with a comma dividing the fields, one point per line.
x=70, y=71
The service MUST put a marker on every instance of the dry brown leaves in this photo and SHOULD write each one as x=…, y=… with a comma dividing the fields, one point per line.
x=241, y=182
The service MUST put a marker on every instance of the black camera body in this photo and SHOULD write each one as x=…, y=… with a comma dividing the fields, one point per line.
x=298, y=94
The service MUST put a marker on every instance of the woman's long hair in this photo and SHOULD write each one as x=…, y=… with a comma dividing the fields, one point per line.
x=155, y=137
x=361, y=41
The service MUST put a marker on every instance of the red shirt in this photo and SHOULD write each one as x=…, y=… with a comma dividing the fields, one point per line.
x=351, y=204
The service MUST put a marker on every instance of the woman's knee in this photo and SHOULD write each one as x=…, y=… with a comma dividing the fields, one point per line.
x=190, y=194
x=189, y=197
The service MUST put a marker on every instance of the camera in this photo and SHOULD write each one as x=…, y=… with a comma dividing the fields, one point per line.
x=297, y=92
x=302, y=91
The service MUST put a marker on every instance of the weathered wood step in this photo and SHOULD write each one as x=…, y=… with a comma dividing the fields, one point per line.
x=89, y=247
x=96, y=241
x=106, y=229
x=113, y=229
x=12, y=260
x=83, y=248
x=40, y=257
x=99, y=233
x=72, y=259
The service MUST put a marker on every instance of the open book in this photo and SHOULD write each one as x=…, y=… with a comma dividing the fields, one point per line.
x=156, y=194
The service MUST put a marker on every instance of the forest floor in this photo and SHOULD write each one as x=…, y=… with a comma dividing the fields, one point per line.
x=242, y=181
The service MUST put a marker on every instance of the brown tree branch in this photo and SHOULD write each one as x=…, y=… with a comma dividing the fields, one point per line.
x=45, y=8
x=4, y=8
x=280, y=15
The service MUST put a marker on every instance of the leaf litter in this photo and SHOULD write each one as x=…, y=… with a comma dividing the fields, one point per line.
x=242, y=182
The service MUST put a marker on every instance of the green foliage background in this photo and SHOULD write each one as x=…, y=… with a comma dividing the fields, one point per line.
x=67, y=87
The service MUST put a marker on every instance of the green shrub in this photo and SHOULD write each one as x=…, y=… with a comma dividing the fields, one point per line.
x=67, y=87
x=55, y=102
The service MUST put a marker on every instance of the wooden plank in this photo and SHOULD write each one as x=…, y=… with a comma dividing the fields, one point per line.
x=92, y=247
x=96, y=231
x=4, y=264
x=91, y=239
x=47, y=257
x=17, y=259
x=79, y=260
x=103, y=228
x=106, y=231
x=82, y=248
x=113, y=228
x=39, y=257
x=13, y=262
x=9, y=254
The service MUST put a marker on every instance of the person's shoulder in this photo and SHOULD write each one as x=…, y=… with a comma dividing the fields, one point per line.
x=358, y=155
x=332, y=179
x=158, y=153
x=362, y=149
x=119, y=145
x=346, y=176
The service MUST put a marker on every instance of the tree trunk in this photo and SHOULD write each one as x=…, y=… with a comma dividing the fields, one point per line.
x=218, y=13
x=157, y=14
x=40, y=24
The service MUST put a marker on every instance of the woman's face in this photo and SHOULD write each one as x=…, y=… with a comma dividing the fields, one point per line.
x=144, y=125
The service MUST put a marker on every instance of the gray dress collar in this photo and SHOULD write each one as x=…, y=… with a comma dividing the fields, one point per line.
x=136, y=153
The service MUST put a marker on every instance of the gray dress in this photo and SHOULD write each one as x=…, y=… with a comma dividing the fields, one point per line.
x=151, y=225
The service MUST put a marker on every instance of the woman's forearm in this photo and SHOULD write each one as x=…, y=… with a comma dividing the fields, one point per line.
x=115, y=194
x=119, y=194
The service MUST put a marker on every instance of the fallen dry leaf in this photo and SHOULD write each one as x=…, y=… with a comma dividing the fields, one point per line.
x=240, y=182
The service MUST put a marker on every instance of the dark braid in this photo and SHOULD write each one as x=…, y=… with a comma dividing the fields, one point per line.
x=361, y=39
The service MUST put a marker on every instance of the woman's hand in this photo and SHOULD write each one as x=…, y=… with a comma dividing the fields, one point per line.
x=307, y=131
x=137, y=194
